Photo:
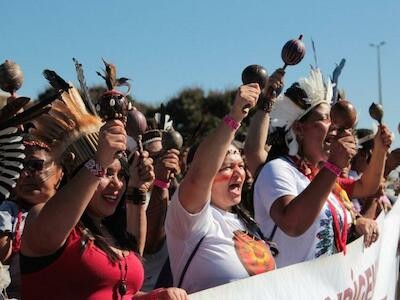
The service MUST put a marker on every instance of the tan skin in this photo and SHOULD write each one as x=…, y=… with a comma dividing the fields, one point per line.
x=288, y=211
x=48, y=227
x=220, y=178
x=254, y=148
x=33, y=187
x=166, y=166
x=142, y=177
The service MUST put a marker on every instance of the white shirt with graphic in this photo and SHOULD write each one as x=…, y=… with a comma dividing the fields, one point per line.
x=216, y=262
x=279, y=178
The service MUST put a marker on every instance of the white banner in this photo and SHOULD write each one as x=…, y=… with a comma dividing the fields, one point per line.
x=363, y=273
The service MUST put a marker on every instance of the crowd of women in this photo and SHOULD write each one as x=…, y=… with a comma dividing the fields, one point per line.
x=93, y=217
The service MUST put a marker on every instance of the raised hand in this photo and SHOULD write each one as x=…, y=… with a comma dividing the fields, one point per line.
x=141, y=171
x=112, y=139
x=342, y=149
x=275, y=82
x=246, y=98
x=383, y=138
x=167, y=165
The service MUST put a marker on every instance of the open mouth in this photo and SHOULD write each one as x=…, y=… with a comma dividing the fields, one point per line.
x=235, y=188
x=112, y=199
x=328, y=142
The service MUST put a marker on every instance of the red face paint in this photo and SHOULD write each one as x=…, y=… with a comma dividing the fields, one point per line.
x=226, y=172
x=222, y=178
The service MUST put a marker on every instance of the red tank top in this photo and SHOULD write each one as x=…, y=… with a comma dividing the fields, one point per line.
x=88, y=275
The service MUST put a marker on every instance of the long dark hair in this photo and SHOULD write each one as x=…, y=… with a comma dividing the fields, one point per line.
x=116, y=224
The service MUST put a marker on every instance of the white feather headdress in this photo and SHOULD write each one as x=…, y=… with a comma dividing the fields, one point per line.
x=286, y=111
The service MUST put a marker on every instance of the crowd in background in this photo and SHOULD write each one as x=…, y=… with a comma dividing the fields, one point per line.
x=107, y=205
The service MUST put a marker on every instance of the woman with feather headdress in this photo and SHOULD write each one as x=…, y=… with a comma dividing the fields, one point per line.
x=38, y=182
x=78, y=245
x=29, y=175
x=300, y=201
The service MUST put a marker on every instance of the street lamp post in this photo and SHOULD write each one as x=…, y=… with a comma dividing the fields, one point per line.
x=378, y=51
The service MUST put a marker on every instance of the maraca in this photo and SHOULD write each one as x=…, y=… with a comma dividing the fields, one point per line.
x=11, y=77
x=254, y=74
x=136, y=125
x=293, y=52
x=343, y=114
x=171, y=139
x=113, y=105
x=376, y=112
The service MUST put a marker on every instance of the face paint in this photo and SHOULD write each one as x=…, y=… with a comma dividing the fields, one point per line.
x=226, y=172
x=222, y=178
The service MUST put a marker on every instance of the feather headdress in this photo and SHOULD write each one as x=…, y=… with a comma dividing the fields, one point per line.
x=297, y=101
x=11, y=160
x=69, y=129
x=12, y=149
x=161, y=122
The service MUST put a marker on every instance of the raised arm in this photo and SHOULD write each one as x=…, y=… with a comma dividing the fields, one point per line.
x=392, y=162
x=141, y=178
x=370, y=180
x=254, y=148
x=157, y=209
x=195, y=189
x=295, y=214
x=48, y=226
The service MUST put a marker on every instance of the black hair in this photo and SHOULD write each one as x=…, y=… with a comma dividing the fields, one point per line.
x=116, y=223
x=363, y=132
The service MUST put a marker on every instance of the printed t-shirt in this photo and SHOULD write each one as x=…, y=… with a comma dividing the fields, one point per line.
x=279, y=178
x=225, y=254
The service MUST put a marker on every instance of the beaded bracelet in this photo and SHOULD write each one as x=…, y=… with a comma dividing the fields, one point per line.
x=333, y=168
x=265, y=104
x=95, y=168
x=231, y=122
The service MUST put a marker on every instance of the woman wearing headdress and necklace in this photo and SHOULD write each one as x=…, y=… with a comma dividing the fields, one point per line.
x=299, y=198
x=211, y=241
x=37, y=183
x=77, y=246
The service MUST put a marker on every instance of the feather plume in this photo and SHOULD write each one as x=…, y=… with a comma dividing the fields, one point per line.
x=85, y=90
x=110, y=77
x=56, y=81
x=11, y=160
x=29, y=114
x=11, y=108
x=66, y=122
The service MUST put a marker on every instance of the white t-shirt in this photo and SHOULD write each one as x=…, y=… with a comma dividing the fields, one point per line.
x=216, y=261
x=279, y=178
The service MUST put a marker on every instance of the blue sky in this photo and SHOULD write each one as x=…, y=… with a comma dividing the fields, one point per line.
x=165, y=46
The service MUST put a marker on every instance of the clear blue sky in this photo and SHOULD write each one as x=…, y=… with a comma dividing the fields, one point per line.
x=165, y=46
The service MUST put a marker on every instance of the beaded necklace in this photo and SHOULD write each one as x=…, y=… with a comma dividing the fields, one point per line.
x=310, y=172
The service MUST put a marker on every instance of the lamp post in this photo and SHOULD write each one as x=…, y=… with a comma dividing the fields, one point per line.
x=378, y=51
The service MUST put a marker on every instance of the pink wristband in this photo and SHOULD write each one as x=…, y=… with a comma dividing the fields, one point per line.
x=333, y=168
x=161, y=184
x=232, y=123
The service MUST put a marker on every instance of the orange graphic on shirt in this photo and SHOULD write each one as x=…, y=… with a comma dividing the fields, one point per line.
x=255, y=255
